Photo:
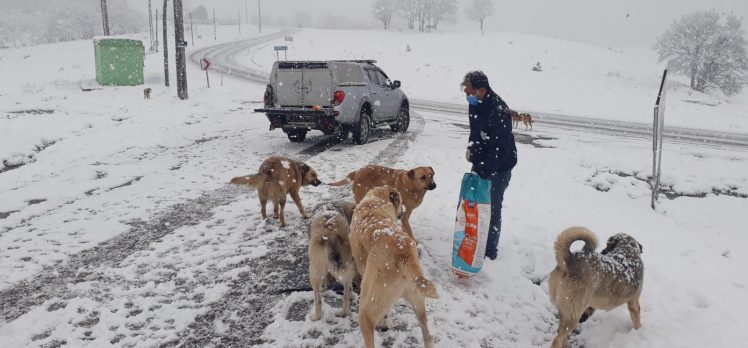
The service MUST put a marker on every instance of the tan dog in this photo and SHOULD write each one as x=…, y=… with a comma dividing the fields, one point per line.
x=277, y=177
x=526, y=119
x=147, y=93
x=387, y=259
x=585, y=280
x=330, y=252
x=412, y=185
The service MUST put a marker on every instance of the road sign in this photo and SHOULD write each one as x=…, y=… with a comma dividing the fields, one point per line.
x=182, y=44
x=204, y=64
x=289, y=38
x=281, y=48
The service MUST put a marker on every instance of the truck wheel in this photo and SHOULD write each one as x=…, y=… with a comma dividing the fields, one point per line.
x=402, y=121
x=296, y=135
x=362, y=130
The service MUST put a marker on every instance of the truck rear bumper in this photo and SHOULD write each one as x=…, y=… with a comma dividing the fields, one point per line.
x=301, y=118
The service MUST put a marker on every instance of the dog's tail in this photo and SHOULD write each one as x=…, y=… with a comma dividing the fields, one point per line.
x=569, y=236
x=412, y=271
x=347, y=180
x=336, y=245
x=252, y=180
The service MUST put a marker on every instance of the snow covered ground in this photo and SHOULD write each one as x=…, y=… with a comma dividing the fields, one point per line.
x=117, y=226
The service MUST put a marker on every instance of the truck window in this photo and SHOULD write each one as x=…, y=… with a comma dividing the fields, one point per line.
x=373, y=77
x=349, y=73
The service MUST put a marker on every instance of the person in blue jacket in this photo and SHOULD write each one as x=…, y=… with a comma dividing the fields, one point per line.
x=491, y=148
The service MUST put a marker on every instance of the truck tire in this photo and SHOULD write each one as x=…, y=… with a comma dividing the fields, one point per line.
x=296, y=135
x=362, y=129
x=402, y=121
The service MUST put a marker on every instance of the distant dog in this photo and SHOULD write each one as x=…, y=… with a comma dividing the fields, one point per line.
x=330, y=252
x=516, y=118
x=585, y=280
x=412, y=185
x=387, y=259
x=277, y=177
x=147, y=93
x=526, y=119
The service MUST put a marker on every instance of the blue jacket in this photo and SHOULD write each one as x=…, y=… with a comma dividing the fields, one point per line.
x=491, y=143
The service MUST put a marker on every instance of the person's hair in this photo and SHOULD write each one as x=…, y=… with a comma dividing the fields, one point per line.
x=477, y=79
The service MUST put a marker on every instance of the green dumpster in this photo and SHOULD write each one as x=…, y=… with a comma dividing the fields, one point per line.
x=119, y=62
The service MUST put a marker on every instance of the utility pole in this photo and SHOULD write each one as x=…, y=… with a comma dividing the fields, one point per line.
x=246, y=12
x=259, y=14
x=180, y=46
x=192, y=31
x=215, y=35
x=239, y=21
x=150, y=24
x=156, y=31
x=105, y=17
x=166, y=50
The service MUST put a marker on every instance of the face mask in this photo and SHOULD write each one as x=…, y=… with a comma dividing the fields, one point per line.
x=472, y=100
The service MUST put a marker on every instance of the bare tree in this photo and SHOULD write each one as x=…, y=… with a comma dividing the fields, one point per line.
x=383, y=11
x=711, y=53
x=479, y=10
x=441, y=10
x=409, y=11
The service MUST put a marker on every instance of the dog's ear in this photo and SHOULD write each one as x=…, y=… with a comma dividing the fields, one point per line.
x=412, y=173
x=641, y=248
x=432, y=170
x=395, y=198
x=304, y=168
x=612, y=243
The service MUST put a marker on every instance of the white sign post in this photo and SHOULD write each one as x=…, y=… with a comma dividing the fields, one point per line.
x=657, y=136
x=281, y=48
x=205, y=64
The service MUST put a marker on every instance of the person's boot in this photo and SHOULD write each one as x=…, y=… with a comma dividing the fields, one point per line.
x=492, y=254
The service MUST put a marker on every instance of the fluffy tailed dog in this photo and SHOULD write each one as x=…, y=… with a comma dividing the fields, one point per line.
x=387, y=259
x=147, y=93
x=585, y=280
x=526, y=119
x=330, y=252
x=412, y=185
x=277, y=177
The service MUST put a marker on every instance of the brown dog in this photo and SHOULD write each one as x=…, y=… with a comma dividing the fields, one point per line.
x=585, y=280
x=277, y=177
x=526, y=119
x=516, y=118
x=412, y=184
x=387, y=259
x=330, y=252
x=147, y=93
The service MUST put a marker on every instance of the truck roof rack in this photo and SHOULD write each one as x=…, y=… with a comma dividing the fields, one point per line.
x=367, y=61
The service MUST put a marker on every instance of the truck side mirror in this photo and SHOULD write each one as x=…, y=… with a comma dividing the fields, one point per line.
x=396, y=84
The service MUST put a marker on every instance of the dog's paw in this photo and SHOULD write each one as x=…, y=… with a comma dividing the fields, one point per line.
x=384, y=324
x=315, y=316
x=343, y=313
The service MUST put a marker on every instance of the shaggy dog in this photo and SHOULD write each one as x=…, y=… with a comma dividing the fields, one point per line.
x=585, y=280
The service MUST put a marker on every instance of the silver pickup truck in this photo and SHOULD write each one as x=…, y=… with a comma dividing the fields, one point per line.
x=335, y=97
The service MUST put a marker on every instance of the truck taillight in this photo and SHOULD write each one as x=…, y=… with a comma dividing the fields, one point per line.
x=338, y=97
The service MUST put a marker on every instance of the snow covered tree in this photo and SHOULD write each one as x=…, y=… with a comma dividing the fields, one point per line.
x=479, y=10
x=409, y=11
x=441, y=10
x=712, y=54
x=383, y=11
x=200, y=15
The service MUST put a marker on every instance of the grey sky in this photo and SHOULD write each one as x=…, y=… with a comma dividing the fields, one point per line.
x=602, y=22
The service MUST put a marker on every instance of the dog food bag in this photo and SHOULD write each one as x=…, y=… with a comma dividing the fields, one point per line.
x=471, y=225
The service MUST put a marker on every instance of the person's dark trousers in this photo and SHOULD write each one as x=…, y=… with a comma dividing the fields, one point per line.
x=499, y=183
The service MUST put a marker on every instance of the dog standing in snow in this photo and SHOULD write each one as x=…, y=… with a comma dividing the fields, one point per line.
x=330, y=252
x=585, y=280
